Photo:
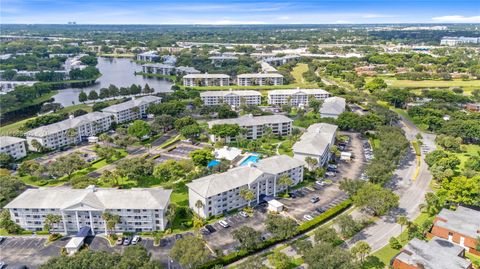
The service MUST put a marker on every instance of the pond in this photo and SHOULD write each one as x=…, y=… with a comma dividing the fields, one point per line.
x=116, y=71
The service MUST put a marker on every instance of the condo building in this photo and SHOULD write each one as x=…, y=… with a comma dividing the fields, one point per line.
x=69, y=131
x=13, y=146
x=295, y=97
x=140, y=210
x=260, y=79
x=133, y=109
x=231, y=98
x=206, y=79
x=149, y=56
x=332, y=107
x=220, y=193
x=255, y=126
x=162, y=69
x=316, y=143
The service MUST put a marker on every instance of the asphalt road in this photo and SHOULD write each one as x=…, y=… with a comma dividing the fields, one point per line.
x=411, y=188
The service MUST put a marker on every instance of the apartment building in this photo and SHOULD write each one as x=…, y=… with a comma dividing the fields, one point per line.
x=276, y=61
x=255, y=126
x=69, y=131
x=185, y=70
x=133, y=109
x=461, y=227
x=220, y=193
x=295, y=97
x=316, y=142
x=436, y=254
x=162, y=69
x=13, y=146
x=206, y=79
x=458, y=40
x=332, y=107
x=260, y=79
x=149, y=56
x=231, y=98
x=140, y=210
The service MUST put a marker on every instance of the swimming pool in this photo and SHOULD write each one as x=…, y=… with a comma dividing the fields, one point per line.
x=213, y=163
x=250, y=159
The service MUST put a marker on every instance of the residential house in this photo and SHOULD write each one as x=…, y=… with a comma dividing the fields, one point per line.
x=162, y=69
x=149, y=56
x=13, y=146
x=255, y=127
x=133, y=109
x=69, y=131
x=192, y=80
x=461, y=227
x=231, y=98
x=295, y=97
x=332, y=107
x=220, y=193
x=316, y=143
x=139, y=209
x=435, y=254
x=260, y=79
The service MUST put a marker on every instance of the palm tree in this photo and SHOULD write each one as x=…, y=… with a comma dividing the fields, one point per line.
x=104, y=138
x=170, y=214
x=402, y=220
x=50, y=220
x=286, y=181
x=247, y=195
x=71, y=133
x=311, y=162
x=432, y=204
x=111, y=221
x=199, y=204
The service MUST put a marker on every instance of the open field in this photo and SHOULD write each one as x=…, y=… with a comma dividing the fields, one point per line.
x=471, y=150
x=297, y=74
x=468, y=86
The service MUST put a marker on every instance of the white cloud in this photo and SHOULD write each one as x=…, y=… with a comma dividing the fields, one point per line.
x=457, y=18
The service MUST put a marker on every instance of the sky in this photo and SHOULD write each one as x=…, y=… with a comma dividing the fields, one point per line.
x=239, y=12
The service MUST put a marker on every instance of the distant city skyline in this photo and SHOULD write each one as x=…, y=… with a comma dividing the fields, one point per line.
x=239, y=12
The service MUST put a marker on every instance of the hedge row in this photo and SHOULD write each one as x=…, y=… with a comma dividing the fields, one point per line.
x=304, y=227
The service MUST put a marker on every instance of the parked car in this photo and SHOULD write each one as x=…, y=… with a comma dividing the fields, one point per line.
x=119, y=241
x=243, y=214
x=292, y=195
x=163, y=242
x=204, y=231
x=333, y=166
x=136, y=239
x=2, y=238
x=2, y=264
x=127, y=241
x=330, y=174
x=178, y=236
x=320, y=183
x=210, y=228
x=308, y=217
x=315, y=199
x=224, y=224
x=319, y=210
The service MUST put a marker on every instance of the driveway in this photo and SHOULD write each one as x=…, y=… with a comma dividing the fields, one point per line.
x=29, y=251
x=222, y=238
x=408, y=185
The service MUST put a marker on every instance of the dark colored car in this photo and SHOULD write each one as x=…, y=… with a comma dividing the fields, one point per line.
x=163, y=242
x=292, y=195
x=314, y=199
x=319, y=210
x=178, y=236
x=210, y=228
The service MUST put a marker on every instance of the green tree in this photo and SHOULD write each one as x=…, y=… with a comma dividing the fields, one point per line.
x=247, y=237
x=393, y=242
x=225, y=130
x=402, y=220
x=327, y=235
x=323, y=255
x=201, y=157
x=285, y=181
x=67, y=165
x=50, y=221
x=82, y=97
x=93, y=95
x=139, y=129
x=281, y=227
x=280, y=260
x=361, y=250
x=375, y=199
x=348, y=226
x=135, y=168
x=10, y=187
x=111, y=221
x=375, y=84
x=191, y=132
x=190, y=252
x=8, y=224
x=253, y=262
x=311, y=162
x=30, y=167
x=432, y=204
x=163, y=122
x=5, y=160
x=199, y=205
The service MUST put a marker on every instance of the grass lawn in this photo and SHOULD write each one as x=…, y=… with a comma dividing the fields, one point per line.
x=14, y=128
x=471, y=150
x=286, y=148
x=297, y=74
x=386, y=253
x=474, y=258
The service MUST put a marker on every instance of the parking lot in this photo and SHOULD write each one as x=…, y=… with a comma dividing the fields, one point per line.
x=222, y=237
x=352, y=169
x=29, y=251
x=86, y=152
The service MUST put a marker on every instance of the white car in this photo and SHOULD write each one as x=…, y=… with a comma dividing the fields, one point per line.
x=330, y=174
x=308, y=217
x=136, y=239
x=243, y=214
x=320, y=183
x=224, y=224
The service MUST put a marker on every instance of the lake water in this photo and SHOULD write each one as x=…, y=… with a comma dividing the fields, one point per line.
x=116, y=71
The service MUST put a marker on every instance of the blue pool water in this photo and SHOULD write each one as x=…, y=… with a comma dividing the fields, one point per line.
x=213, y=163
x=250, y=159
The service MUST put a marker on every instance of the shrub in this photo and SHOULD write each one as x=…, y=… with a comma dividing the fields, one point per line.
x=393, y=242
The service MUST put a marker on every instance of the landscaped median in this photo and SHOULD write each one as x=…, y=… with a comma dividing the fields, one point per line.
x=303, y=228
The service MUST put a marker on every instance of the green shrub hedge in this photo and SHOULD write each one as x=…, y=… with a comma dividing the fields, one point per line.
x=309, y=225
